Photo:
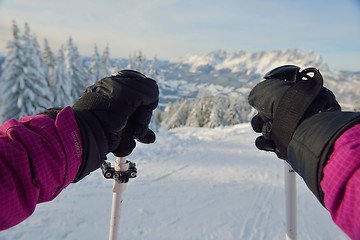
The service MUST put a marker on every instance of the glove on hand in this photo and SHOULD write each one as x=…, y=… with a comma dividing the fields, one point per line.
x=283, y=100
x=123, y=105
x=300, y=121
x=111, y=114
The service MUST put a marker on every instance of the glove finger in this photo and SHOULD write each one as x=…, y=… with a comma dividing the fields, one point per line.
x=331, y=105
x=257, y=123
x=267, y=130
x=149, y=137
x=139, y=122
x=324, y=102
x=114, y=140
x=264, y=144
x=127, y=144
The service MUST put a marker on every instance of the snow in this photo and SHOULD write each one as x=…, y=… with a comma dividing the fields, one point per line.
x=193, y=183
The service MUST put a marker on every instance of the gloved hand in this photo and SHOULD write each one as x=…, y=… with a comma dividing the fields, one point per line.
x=284, y=99
x=111, y=114
x=300, y=121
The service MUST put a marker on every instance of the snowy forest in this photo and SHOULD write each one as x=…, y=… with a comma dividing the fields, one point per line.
x=205, y=111
x=35, y=79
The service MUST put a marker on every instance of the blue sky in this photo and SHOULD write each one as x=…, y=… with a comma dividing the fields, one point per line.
x=172, y=28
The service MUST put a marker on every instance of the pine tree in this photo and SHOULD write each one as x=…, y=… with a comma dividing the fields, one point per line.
x=206, y=100
x=105, y=62
x=232, y=113
x=95, y=70
x=156, y=119
x=25, y=76
x=196, y=115
x=62, y=83
x=169, y=111
x=75, y=69
x=131, y=64
x=138, y=62
x=154, y=71
x=12, y=76
x=216, y=112
x=50, y=61
x=36, y=94
x=117, y=67
x=180, y=112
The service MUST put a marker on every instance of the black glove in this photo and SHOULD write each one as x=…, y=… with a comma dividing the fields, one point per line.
x=300, y=120
x=283, y=100
x=111, y=114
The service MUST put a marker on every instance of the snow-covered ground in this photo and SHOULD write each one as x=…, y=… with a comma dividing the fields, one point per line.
x=193, y=183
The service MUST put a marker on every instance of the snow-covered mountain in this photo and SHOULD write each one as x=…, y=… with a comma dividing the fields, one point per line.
x=237, y=73
x=251, y=63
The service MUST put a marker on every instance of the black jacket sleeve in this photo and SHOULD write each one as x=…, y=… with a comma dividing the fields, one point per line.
x=312, y=143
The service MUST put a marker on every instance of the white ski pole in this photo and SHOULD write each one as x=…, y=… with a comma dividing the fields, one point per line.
x=291, y=208
x=118, y=188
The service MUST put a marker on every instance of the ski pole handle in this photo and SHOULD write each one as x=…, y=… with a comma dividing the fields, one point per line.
x=291, y=208
x=118, y=188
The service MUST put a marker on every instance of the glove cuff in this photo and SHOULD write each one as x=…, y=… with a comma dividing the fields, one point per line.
x=51, y=112
x=95, y=145
x=312, y=142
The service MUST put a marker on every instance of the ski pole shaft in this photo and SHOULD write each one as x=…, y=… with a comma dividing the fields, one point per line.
x=118, y=188
x=291, y=208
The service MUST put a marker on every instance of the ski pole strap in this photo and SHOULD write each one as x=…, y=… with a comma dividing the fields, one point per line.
x=293, y=105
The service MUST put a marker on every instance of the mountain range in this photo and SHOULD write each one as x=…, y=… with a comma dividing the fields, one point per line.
x=236, y=73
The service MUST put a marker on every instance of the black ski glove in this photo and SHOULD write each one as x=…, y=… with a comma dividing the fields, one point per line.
x=283, y=100
x=300, y=120
x=111, y=114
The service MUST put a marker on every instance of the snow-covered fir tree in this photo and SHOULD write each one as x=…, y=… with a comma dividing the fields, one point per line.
x=36, y=94
x=25, y=76
x=117, y=67
x=154, y=71
x=199, y=113
x=217, y=111
x=62, y=84
x=95, y=72
x=232, y=113
x=49, y=60
x=138, y=62
x=75, y=69
x=105, y=62
x=12, y=76
x=175, y=114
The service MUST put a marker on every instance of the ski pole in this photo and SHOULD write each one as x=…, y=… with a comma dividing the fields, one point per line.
x=291, y=209
x=118, y=189
x=121, y=173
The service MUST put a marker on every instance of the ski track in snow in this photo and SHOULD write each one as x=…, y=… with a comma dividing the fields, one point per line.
x=192, y=184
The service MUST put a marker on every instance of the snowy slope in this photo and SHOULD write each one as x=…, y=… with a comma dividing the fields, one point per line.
x=192, y=184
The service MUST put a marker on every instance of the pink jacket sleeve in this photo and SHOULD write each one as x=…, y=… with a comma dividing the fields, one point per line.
x=39, y=157
x=341, y=182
